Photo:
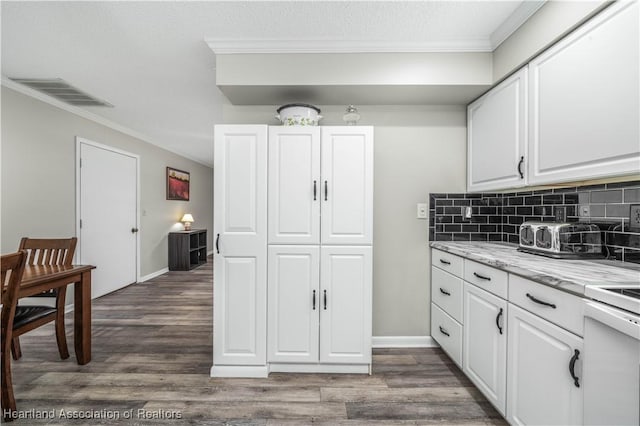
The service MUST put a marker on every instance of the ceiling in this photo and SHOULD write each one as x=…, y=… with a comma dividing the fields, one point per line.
x=151, y=62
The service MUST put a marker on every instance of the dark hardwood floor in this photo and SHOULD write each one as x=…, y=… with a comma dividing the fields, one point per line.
x=152, y=351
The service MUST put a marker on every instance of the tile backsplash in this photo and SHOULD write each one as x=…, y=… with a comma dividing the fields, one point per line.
x=497, y=216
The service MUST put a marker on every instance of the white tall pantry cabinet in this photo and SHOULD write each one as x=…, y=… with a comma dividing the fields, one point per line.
x=306, y=304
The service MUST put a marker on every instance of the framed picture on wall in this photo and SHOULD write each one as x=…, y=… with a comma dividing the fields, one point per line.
x=177, y=184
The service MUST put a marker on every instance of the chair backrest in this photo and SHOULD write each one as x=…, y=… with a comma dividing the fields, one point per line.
x=12, y=267
x=49, y=251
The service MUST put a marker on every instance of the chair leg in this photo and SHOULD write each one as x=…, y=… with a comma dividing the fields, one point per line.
x=61, y=335
x=7, y=398
x=15, y=348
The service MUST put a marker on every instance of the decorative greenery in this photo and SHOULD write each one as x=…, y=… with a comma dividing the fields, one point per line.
x=300, y=121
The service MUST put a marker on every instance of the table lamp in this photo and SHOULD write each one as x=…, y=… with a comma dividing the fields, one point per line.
x=187, y=219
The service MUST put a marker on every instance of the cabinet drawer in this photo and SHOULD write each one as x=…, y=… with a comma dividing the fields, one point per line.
x=491, y=279
x=556, y=306
x=446, y=292
x=447, y=332
x=447, y=262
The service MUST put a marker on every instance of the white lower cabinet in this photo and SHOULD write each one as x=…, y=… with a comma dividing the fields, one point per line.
x=293, y=298
x=544, y=372
x=485, y=344
x=525, y=362
x=346, y=297
x=319, y=305
x=446, y=307
x=447, y=332
x=447, y=292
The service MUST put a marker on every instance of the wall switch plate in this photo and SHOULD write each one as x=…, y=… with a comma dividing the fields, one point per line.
x=584, y=210
x=560, y=214
x=634, y=217
x=421, y=211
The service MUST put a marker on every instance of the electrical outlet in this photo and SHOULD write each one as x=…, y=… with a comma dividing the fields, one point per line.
x=584, y=211
x=467, y=212
x=560, y=214
x=421, y=211
x=634, y=217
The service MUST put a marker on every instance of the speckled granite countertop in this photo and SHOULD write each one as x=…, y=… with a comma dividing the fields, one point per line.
x=568, y=275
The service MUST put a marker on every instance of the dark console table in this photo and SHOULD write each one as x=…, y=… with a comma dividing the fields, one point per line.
x=187, y=249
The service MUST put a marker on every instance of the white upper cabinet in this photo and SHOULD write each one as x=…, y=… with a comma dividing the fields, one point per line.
x=497, y=136
x=584, y=101
x=294, y=185
x=347, y=185
x=240, y=259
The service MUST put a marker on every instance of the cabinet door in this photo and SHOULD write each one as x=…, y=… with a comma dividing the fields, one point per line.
x=484, y=347
x=240, y=232
x=540, y=385
x=294, y=303
x=585, y=101
x=347, y=185
x=497, y=136
x=294, y=185
x=345, y=296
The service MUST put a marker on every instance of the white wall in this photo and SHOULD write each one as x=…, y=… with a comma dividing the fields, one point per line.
x=418, y=150
x=38, y=179
x=443, y=78
x=550, y=23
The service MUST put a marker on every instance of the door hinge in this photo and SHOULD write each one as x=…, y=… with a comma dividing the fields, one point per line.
x=80, y=223
x=81, y=163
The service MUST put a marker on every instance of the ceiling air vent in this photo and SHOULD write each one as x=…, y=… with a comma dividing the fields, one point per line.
x=62, y=90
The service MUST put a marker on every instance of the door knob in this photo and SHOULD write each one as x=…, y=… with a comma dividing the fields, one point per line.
x=134, y=230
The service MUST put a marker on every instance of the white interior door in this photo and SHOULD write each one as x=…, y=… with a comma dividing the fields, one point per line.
x=240, y=257
x=108, y=215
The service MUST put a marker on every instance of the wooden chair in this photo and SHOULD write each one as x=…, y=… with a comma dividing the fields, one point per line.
x=44, y=252
x=12, y=267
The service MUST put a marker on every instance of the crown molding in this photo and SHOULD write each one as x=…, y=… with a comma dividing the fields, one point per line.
x=90, y=116
x=229, y=46
x=514, y=21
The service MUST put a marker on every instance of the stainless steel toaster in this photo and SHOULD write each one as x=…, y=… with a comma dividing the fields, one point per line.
x=561, y=240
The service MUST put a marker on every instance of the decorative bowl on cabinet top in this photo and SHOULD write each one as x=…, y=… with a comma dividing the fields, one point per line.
x=298, y=115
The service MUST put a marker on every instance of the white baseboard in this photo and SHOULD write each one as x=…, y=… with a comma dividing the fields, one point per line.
x=320, y=368
x=403, y=342
x=251, y=371
x=153, y=275
x=210, y=252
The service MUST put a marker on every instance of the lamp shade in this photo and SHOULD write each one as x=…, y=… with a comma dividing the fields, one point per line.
x=187, y=218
